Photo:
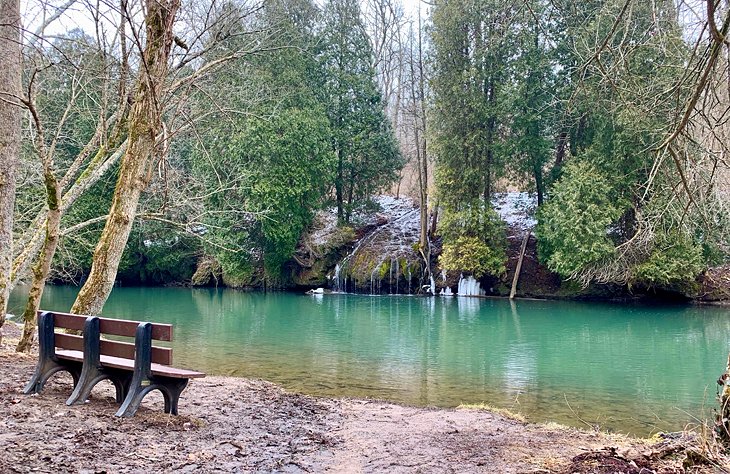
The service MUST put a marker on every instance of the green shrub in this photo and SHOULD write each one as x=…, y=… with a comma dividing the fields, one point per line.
x=474, y=240
x=472, y=255
x=674, y=263
x=574, y=225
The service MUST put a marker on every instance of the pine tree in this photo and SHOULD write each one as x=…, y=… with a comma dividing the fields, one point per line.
x=363, y=141
x=472, y=43
x=275, y=160
x=533, y=109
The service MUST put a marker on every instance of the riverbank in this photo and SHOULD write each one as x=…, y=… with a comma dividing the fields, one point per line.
x=377, y=256
x=237, y=425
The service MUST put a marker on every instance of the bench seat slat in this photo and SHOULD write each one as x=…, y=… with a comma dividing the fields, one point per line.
x=70, y=355
x=127, y=364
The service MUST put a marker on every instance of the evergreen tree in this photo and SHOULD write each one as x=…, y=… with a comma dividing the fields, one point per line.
x=533, y=70
x=472, y=43
x=362, y=139
x=597, y=226
x=471, y=47
x=277, y=163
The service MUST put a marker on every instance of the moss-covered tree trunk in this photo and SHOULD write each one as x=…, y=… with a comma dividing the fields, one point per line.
x=52, y=226
x=10, y=73
x=43, y=265
x=144, y=126
x=33, y=242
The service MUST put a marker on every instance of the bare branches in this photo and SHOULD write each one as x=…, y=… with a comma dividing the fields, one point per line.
x=717, y=36
x=710, y=63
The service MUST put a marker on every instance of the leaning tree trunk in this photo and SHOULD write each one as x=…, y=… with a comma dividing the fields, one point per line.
x=43, y=265
x=10, y=73
x=144, y=126
x=52, y=226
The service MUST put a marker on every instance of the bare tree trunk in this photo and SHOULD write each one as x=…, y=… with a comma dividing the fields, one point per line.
x=432, y=229
x=53, y=224
x=423, y=168
x=43, y=265
x=10, y=73
x=144, y=125
x=560, y=149
x=418, y=107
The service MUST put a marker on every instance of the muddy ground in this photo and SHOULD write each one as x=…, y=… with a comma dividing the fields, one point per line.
x=242, y=425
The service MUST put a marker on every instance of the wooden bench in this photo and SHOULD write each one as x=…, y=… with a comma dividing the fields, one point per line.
x=134, y=369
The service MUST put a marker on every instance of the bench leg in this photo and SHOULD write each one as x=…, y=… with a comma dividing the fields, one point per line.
x=121, y=384
x=90, y=376
x=47, y=362
x=172, y=393
x=89, y=379
x=133, y=399
x=171, y=390
x=143, y=382
x=44, y=371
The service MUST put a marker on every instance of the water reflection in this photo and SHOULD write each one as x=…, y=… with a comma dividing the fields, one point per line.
x=630, y=368
x=468, y=307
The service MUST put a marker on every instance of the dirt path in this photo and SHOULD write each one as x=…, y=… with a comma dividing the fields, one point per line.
x=241, y=425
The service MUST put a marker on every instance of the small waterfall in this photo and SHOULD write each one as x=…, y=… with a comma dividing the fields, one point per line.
x=343, y=269
x=397, y=275
x=338, y=283
x=432, y=288
x=469, y=287
x=447, y=291
x=390, y=277
x=376, y=270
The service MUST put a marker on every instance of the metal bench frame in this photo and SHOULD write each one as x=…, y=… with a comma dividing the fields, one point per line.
x=132, y=382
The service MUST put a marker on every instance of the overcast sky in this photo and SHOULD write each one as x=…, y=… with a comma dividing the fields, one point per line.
x=35, y=12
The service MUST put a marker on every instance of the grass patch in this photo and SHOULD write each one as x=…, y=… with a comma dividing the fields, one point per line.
x=499, y=411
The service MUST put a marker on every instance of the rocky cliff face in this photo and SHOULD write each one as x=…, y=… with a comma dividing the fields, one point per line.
x=376, y=255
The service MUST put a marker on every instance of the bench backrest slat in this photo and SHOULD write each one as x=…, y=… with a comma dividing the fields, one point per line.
x=69, y=341
x=68, y=321
x=115, y=327
x=125, y=350
x=122, y=327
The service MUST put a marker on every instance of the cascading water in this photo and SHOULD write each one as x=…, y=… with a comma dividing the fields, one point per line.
x=336, y=278
x=387, y=244
x=469, y=287
x=394, y=264
x=373, y=280
x=393, y=230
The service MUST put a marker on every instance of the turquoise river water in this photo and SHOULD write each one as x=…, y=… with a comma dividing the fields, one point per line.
x=628, y=368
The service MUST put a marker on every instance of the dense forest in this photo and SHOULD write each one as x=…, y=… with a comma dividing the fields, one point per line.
x=173, y=142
